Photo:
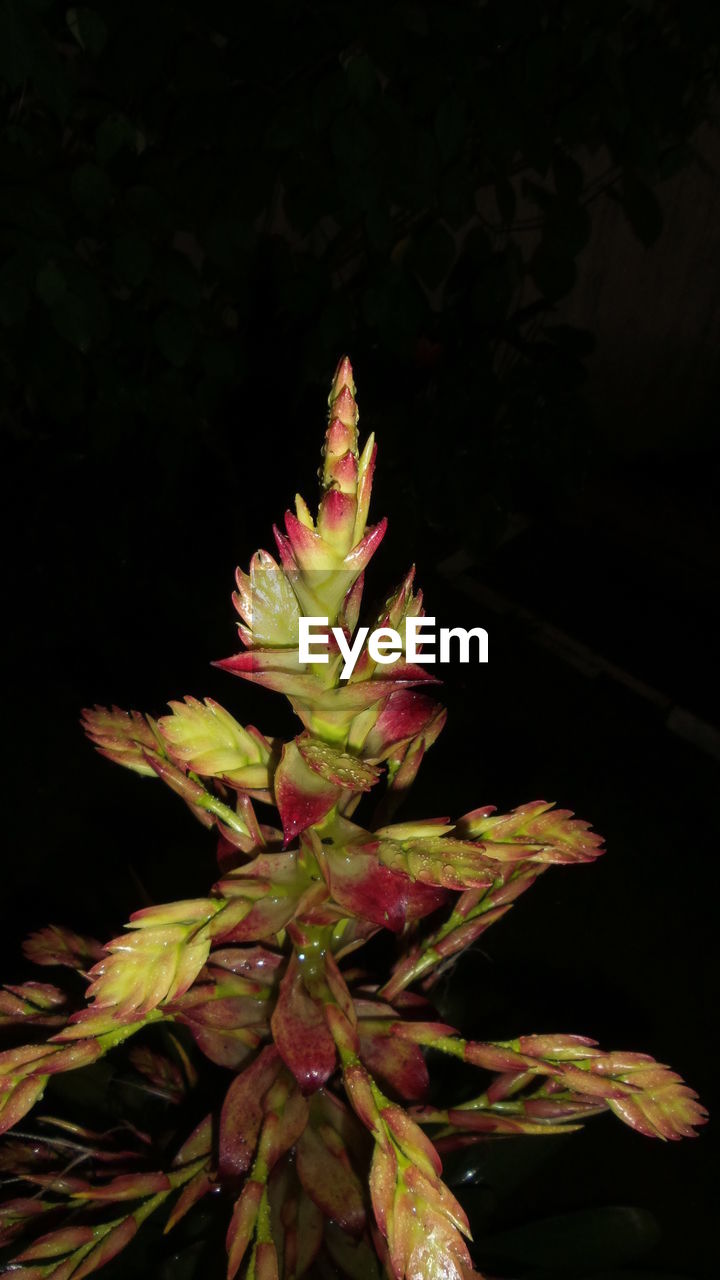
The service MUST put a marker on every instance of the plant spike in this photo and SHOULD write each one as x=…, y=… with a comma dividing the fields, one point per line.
x=318, y=1136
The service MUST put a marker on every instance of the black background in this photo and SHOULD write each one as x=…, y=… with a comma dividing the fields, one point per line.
x=149, y=446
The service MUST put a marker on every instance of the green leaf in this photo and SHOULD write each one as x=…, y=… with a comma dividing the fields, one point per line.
x=590, y=1238
x=88, y=29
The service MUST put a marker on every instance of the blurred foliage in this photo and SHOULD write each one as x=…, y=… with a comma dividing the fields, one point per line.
x=197, y=198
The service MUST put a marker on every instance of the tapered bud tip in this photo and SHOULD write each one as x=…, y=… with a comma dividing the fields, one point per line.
x=341, y=472
x=339, y=439
x=343, y=377
x=344, y=408
x=346, y=471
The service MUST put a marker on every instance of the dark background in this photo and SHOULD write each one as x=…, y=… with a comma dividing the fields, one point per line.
x=507, y=214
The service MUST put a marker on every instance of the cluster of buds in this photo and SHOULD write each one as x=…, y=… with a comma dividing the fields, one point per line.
x=319, y=1140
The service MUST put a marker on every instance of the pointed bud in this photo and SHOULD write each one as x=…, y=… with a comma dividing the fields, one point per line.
x=205, y=738
x=266, y=601
x=125, y=737
x=242, y=1225
x=55, y=945
x=342, y=380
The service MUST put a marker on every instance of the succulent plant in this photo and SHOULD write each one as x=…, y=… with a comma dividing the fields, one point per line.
x=318, y=1141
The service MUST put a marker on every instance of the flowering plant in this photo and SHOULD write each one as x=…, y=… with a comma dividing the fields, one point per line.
x=318, y=1138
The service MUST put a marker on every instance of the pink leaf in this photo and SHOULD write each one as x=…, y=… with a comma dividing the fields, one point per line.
x=300, y=1032
x=302, y=795
x=57, y=945
x=113, y=1244
x=242, y=1113
x=242, y=1225
x=398, y=1064
x=329, y=1180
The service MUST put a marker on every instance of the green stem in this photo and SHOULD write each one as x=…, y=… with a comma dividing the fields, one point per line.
x=218, y=809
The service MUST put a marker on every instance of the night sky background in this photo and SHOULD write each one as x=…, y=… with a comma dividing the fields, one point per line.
x=508, y=214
